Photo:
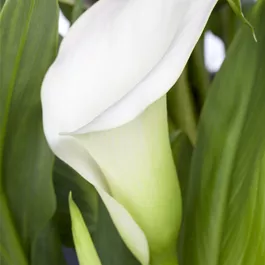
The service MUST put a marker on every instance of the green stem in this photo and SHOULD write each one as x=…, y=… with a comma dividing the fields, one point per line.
x=199, y=75
x=166, y=258
x=182, y=108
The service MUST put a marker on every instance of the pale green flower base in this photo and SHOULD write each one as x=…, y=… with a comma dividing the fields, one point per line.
x=139, y=170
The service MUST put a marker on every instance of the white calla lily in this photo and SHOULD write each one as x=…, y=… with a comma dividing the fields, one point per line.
x=120, y=57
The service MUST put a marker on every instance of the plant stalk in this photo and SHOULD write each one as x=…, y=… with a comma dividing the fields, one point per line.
x=168, y=257
x=181, y=107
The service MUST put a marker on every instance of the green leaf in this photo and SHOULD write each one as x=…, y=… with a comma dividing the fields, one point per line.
x=72, y=9
x=68, y=2
x=237, y=8
x=224, y=215
x=199, y=78
x=110, y=247
x=86, y=198
x=182, y=152
x=28, y=38
x=46, y=247
x=9, y=239
x=83, y=243
x=248, y=2
x=2, y=2
x=77, y=10
x=67, y=10
x=181, y=107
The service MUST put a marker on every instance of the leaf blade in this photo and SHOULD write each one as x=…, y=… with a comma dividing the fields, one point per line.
x=237, y=8
x=28, y=46
x=85, y=249
x=225, y=206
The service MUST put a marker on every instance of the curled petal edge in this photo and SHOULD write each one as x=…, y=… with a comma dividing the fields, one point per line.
x=68, y=149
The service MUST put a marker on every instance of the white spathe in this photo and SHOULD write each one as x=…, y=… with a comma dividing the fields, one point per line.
x=146, y=42
x=117, y=59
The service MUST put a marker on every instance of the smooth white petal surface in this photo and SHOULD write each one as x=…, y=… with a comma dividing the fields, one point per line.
x=163, y=75
x=122, y=55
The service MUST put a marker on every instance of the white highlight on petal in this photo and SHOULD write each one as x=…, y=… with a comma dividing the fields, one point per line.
x=214, y=50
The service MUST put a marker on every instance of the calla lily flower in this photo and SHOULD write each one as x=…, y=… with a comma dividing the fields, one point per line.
x=104, y=112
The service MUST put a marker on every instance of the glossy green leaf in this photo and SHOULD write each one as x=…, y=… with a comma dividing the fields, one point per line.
x=224, y=217
x=237, y=8
x=28, y=37
x=85, y=196
x=83, y=243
